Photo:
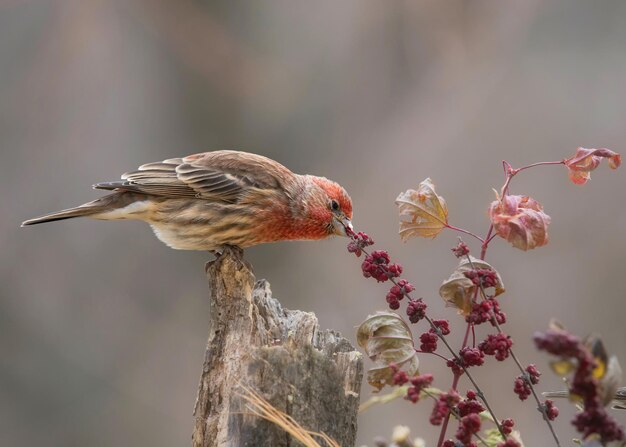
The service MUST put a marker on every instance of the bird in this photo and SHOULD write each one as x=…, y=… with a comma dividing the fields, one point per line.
x=617, y=401
x=214, y=200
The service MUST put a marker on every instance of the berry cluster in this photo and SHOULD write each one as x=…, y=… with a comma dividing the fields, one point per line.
x=468, y=426
x=507, y=426
x=484, y=311
x=468, y=413
x=521, y=388
x=470, y=405
x=482, y=277
x=461, y=250
x=443, y=405
x=594, y=419
x=359, y=241
x=416, y=310
x=523, y=382
x=467, y=357
x=497, y=345
x=550, y=409
x=398, y=291
x=429, y=339
x=418, y=384
x=375, y=265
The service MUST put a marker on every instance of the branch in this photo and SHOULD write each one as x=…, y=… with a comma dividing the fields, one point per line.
x=313, y=376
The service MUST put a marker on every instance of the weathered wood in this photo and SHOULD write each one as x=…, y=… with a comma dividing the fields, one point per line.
x=312, y=375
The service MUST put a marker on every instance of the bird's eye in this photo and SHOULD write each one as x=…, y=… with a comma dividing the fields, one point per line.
x=334, y=205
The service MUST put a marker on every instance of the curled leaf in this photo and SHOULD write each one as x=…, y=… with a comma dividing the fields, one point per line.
x=458, y=290
x=425, y=212
x=586, y=160
x=520, y=220
x=387, y=340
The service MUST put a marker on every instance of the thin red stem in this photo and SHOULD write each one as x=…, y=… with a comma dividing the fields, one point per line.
x=461, y=230
x=483, y=248
x=510, y=172
x=541, y=163
x=419, y=351
x=455, y=383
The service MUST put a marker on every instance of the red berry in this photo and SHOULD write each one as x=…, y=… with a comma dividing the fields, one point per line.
x=416, y=310
x=507, y=426
x=442, y=325
x=471, y=356
x=375, y=265
x=521, y=388
x=496, y=344
x=429, y=342
x=533, y=374
x=551, y=410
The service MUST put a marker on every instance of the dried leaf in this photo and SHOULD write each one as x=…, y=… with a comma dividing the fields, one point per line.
x=426, y=213
x=586, y=160
x=493, y=438
x=387, y=340
x=520, y=220
x=458, y=290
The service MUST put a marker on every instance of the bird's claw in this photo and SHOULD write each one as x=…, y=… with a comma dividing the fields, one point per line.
x=232, y=250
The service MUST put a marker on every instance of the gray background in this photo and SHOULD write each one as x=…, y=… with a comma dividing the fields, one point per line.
x=102, y=328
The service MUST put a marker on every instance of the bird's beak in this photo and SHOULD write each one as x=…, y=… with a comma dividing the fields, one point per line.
x=342, y=224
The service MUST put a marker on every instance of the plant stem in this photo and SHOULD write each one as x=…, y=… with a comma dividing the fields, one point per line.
x=541, y=163
x=455, y=383
x=461, y=230
x=469, y=376
x=434, y=353
x=510, y=172
x=483, y=248
x=456, y=415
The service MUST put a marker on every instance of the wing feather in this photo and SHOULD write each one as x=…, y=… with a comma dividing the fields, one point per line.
x=219, y=175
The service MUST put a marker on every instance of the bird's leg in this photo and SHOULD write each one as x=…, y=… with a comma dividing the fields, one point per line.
x=233, y=250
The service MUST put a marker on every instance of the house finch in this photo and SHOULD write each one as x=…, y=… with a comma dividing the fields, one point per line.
x=224, y=198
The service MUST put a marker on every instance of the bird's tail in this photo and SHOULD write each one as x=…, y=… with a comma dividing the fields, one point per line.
x=562, y=393
x=79, y=211
x=97, y=208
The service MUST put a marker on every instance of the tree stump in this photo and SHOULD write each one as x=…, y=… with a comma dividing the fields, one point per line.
x=311, y=375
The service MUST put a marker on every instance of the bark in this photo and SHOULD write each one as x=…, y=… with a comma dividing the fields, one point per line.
x=312, y=375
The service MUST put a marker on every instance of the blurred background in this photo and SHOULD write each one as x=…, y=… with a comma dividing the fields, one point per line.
x=103, y=328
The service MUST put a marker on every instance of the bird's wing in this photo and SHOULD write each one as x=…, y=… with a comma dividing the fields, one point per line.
x=219, y=175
